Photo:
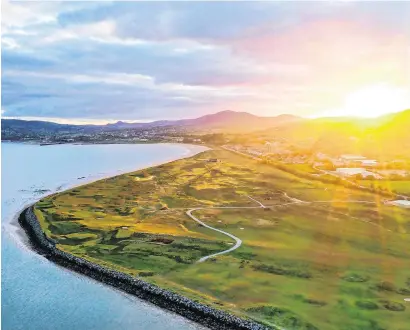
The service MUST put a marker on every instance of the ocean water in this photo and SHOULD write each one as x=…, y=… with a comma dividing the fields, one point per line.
x=36, y=294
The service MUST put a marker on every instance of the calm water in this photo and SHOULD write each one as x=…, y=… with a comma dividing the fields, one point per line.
x=36, y=294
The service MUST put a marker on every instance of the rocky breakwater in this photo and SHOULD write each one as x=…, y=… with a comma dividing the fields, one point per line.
x=208, y=316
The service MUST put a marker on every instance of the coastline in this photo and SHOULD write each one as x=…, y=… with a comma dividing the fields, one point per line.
x=194, y=311
x=86, y=143
x=30, y=239
x=13, y=226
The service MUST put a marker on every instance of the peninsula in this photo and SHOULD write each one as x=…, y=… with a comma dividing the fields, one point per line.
x=248, y=240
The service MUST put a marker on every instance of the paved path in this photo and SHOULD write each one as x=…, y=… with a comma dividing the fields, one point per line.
x=253, y=199
x=238, y=241
x=294, y=200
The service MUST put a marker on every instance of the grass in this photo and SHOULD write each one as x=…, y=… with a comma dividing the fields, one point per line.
x=304, y=168
x=399, y=186
x=328, y=265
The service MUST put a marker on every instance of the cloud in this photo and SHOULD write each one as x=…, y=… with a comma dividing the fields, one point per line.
x=167, y=60
x=9, y=43
x=20, y=15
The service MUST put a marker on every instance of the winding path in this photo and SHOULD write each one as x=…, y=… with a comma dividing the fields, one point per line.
x=238, y=241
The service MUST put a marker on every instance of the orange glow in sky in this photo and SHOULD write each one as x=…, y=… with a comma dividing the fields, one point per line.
x=323, y=58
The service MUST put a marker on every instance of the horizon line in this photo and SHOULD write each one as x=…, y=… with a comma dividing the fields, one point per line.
x=98, y=122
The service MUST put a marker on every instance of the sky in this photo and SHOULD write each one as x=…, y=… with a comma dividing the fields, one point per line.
x=105, y=61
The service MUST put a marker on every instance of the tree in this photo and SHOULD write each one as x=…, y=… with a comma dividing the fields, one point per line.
x=358, y=177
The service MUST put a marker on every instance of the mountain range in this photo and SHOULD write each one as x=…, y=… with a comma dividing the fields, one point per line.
x=385, y=136
x=225, y=120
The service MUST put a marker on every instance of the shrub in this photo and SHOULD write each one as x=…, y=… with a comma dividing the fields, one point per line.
x=162, y=240
x=314, y=302
x=385, y=286
x=353, y=277
x=278, y=270
x=282, y=317
x=44, y=204
x=365, y=304
x=145, y=274
x=403, y=291
x=393, y=306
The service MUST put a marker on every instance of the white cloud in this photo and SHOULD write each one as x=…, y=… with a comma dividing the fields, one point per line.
x=9, y=43
x=100, y=30
x=175, y=91
x=103, y=31
x=21, y=14
x=114, y=78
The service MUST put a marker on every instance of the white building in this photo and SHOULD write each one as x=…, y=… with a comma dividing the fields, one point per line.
x=400, y=202
x=347, y=171
x=367, y=162
x=351, y=157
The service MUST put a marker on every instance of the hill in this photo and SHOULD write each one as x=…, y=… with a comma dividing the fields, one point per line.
x=382, y=137
x=224, y=120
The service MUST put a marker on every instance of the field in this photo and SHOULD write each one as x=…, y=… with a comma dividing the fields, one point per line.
x=398, y=187
x=332, y=263
x=305, y=168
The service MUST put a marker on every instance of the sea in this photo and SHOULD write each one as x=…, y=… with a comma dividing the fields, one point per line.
x=35, y=293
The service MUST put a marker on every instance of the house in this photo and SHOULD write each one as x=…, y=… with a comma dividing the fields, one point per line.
x=366, y=162
x=351, y=157
x=348, y=171
x=213, y=160
x=400, y=202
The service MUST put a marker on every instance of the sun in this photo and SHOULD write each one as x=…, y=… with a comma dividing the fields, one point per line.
x=371, y=101
x=376, y=100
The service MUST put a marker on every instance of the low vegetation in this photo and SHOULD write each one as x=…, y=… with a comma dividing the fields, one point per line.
x=328, y=264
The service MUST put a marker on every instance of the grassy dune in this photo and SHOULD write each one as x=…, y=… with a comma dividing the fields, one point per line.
x=328, y=265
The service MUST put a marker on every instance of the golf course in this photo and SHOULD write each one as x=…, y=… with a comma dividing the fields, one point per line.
x=246, y=237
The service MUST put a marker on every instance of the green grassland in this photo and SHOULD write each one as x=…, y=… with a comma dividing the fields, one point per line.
x=329, y=264
x=306, y=168
x=396, y=186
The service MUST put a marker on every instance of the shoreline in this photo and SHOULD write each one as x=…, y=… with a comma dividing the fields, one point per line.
x=86, y=143
x=31, y=236
x=13, y=228
x=194, y=311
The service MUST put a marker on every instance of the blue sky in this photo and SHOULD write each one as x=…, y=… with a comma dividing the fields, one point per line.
x=107, y=61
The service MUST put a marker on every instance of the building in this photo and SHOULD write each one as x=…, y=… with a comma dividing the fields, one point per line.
x=352, y=158
x=400, y=202
x=366, y=162
x=348, y=171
